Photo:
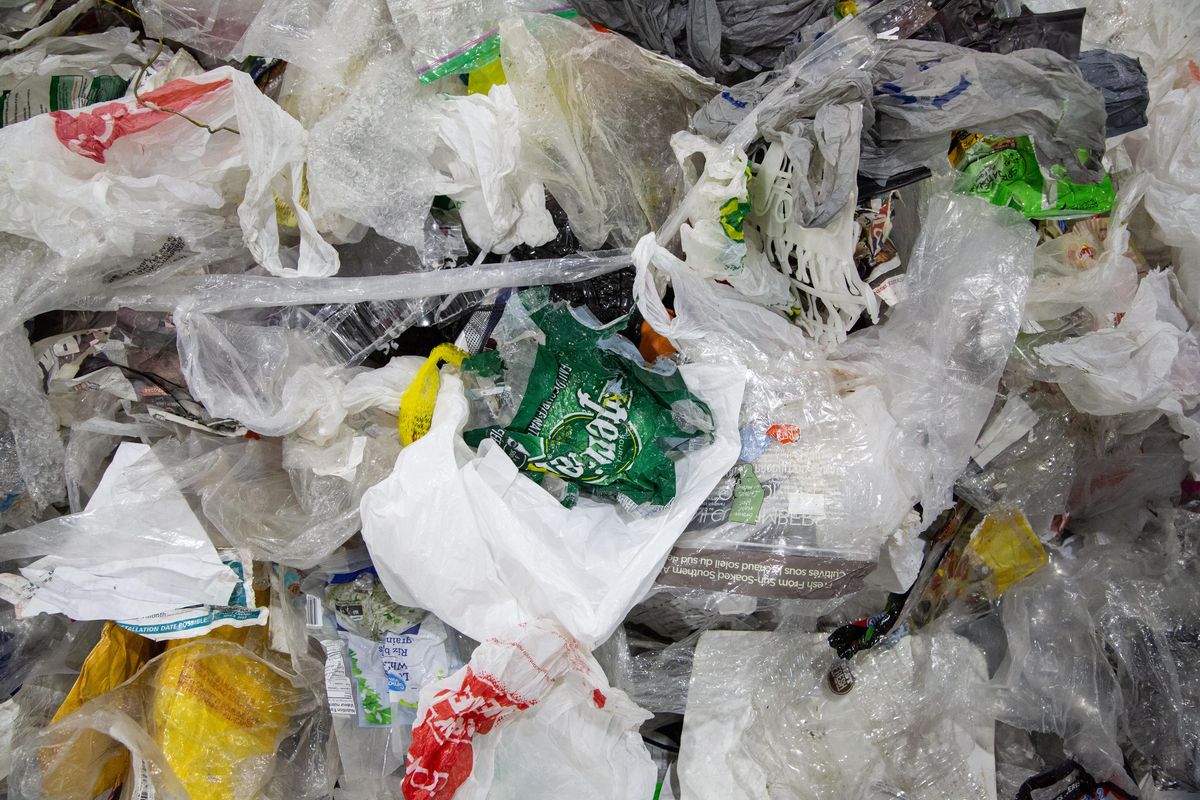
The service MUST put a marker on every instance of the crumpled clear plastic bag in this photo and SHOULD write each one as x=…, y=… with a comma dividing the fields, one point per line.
x=448, y=37
x=368, y=159
x=287, y=512
x=718, y=38
x=1055, y=677
x=891, y=418
x=245, y=361
x=479, y=159
x=319, y=36
x=763, y=720
x=211, y=26
x=596, y=114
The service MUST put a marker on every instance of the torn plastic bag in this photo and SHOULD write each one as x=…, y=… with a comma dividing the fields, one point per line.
x=848, y=47
x=531, y=716
x=479, y=157
x=596, y=115
x=1088, y=266
x=211, y=26
x=158, y=173
x=1055, y=676
x=369, y=158
x=70, y=72
x=499, y=203
x=322, y=37
x=1166, y=157
x=207, y=719
x=519, y=555
x=926, y=90
x=1126, y=92
x=717, y=38
x=137, y=550
x=1149, y=361
x=767, y=718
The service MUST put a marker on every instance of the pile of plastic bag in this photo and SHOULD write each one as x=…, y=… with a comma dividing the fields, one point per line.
x=695, y=399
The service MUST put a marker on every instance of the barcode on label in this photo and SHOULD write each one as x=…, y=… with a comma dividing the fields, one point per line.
x=312, y=611
x=143, y=786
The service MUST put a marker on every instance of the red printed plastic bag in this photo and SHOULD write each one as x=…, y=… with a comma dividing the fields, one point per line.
x=530, y=716
x=113, y=179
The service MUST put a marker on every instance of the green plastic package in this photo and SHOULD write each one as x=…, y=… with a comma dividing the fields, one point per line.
x=590, y=413
x=1005, y=170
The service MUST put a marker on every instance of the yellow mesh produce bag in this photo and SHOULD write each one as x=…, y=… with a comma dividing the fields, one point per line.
x=418, y=400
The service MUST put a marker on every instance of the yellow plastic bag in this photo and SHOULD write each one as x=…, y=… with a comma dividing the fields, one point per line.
x=1009, y=549
x=115, y=659
x=202, y=721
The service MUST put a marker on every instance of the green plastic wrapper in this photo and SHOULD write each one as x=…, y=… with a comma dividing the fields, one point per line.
x=591, y=414
x=1005, y=170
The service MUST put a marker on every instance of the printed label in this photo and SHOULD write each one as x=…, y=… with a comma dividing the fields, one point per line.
x=337, y=683
x=312, y=611
x=763, y=573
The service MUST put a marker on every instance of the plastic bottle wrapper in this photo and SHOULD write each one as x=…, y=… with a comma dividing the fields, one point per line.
x=591, y=414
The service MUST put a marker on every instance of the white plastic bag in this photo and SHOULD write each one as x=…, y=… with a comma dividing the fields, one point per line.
x=484, y=547
x=501, y=204
x=531, y=716
x=137, y=550
x=1149, y=361
x=111, y=179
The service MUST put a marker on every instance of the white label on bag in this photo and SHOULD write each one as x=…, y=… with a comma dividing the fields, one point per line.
x=892, y=291
x=337, y=682
x=312, y=611
x=806, y=504
x=143, y=786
